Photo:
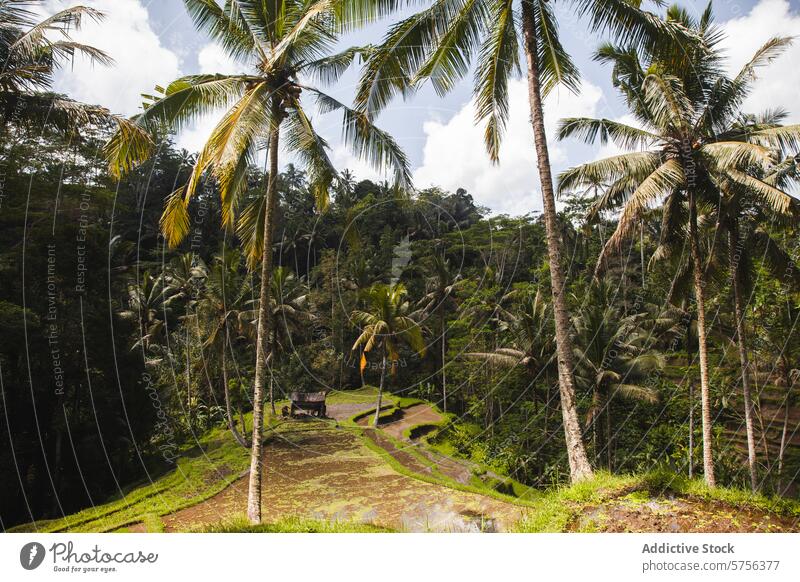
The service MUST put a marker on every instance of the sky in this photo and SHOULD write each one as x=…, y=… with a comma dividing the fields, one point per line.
x=153, y=42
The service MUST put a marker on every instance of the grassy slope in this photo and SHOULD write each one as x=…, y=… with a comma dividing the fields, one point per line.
x=200, y=473
x=556, y=509
x=218, y=461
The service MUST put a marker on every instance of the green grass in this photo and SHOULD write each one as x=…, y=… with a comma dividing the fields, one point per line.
x=201, y=472
x=291, y=524
x=658, y=482
x=436, y=477
x=555, y=509
x=217, y=461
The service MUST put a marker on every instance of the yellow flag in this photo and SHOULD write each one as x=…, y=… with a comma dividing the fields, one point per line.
x=363, y=361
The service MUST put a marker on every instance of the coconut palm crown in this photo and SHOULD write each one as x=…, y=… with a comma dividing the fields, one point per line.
x=285, y=44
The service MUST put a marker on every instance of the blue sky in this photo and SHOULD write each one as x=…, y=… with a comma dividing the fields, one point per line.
x=153, y=42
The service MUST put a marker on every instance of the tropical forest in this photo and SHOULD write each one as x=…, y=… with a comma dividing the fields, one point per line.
x=288, y=329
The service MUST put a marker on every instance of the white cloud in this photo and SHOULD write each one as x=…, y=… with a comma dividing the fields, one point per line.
x=777, y=85
x=141, y=61
x=454, y=155
x=212, y=59
x=344, y=159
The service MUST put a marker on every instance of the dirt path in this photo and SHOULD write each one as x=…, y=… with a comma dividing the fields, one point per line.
x=327, y=473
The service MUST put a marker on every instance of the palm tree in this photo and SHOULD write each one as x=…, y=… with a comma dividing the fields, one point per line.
x=31, y=56
x=613, y=360
x=687, y=155
x=741, y=215
x=222, y=306
x=528, y=325
x=149, y=306
x=439, y=298
x=183, y=276
x=490, y=315
x=440, y=43
x=386, y=325
x=281, y=41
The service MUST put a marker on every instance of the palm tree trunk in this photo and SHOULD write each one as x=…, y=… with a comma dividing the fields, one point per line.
x=705, y=395
x=593, y=423
x=641, y=254
x=272, y=393
x=741, y=340
x=380, y=390
x=272, y=365
x=547, y=404
x=444, y=373
x=188, y=381
x=226, y=391
x=782, y=450
x=608, y=437
x=691, y=429
x=262, y=338
x=690, y=390
x=756, y=393
x=576, y=452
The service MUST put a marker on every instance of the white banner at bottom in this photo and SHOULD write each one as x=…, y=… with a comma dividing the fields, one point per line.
x=400, y=557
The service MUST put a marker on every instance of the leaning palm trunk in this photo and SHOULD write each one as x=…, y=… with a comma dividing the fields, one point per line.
x=576, y=452
x=742, y=345
x=262, y=339
x=705, y=397
x=226, y=391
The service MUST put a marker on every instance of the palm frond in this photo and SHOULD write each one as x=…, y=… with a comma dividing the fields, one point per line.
x=497, y=59
x=302, y=140
x=635, y=392
x=667, y=177
x=455, y=47
x=503, y=360
x=555, y=65
x=608, y=170
x=590, y=130
x=368, y=142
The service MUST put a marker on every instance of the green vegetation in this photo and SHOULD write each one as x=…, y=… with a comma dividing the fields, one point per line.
x=291, y=525
x=199, y=473
x=154, y=303
x=556, y=510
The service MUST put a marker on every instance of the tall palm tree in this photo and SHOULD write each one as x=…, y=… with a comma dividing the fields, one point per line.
x=183, y=276
x=280, y=41
x=385, y=325
x=686, y=153
x=439, y=299
x=440, y=42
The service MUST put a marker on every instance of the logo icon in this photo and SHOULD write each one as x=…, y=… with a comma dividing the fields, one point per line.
x=31, y=555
